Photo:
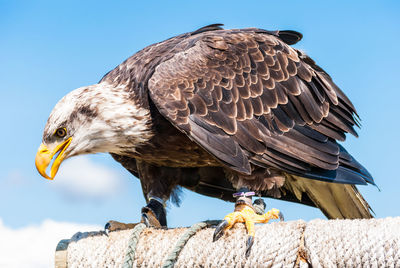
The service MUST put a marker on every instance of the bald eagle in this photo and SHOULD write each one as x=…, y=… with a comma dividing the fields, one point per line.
x=214, y=111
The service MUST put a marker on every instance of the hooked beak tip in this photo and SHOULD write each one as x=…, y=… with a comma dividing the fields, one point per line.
x=44, y=157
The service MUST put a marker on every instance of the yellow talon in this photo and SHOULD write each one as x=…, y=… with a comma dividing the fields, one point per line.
x=246, y=213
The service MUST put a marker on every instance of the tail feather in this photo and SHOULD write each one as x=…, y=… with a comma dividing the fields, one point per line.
x=349, y=171
x=348, y=162
x=336, y=201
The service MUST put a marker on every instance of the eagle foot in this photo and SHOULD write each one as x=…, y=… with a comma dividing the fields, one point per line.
x=153, y=214
x=245, y=213
x=149, y=219
x=112, y=226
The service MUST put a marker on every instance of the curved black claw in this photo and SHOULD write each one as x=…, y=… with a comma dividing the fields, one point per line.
x=107, y=228
x=281, y=218
x=249, y=244
x=219, y=230
x=145, y=219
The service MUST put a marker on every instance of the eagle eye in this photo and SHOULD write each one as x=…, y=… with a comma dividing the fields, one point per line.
x=61, y=132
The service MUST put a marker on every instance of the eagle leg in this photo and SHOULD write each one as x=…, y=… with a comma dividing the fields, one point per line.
x=249, y=214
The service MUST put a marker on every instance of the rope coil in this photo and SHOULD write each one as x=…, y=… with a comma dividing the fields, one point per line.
x=319, y=243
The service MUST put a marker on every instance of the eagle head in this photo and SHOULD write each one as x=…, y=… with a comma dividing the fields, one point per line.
x=92, y=119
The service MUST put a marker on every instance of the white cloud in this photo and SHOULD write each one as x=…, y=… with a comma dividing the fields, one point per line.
x=81, y=178
x=34, y=246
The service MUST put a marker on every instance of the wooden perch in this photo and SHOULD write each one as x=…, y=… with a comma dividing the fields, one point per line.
x=318, y=243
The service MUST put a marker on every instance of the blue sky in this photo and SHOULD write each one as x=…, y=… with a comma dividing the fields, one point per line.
x=48, y=48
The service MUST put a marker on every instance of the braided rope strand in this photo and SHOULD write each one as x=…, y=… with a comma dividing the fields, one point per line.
x=174, y=254
x=133, y=240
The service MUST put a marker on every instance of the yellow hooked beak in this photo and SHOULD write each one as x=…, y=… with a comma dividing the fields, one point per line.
x=44, y=156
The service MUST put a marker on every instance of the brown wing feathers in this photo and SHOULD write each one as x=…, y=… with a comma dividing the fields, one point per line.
x=247, y=97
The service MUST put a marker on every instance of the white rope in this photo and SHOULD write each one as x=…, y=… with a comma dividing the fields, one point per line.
x=353, y=243
x=321, y=243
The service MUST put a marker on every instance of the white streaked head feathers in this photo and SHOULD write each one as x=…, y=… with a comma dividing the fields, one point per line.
x=99, y=118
